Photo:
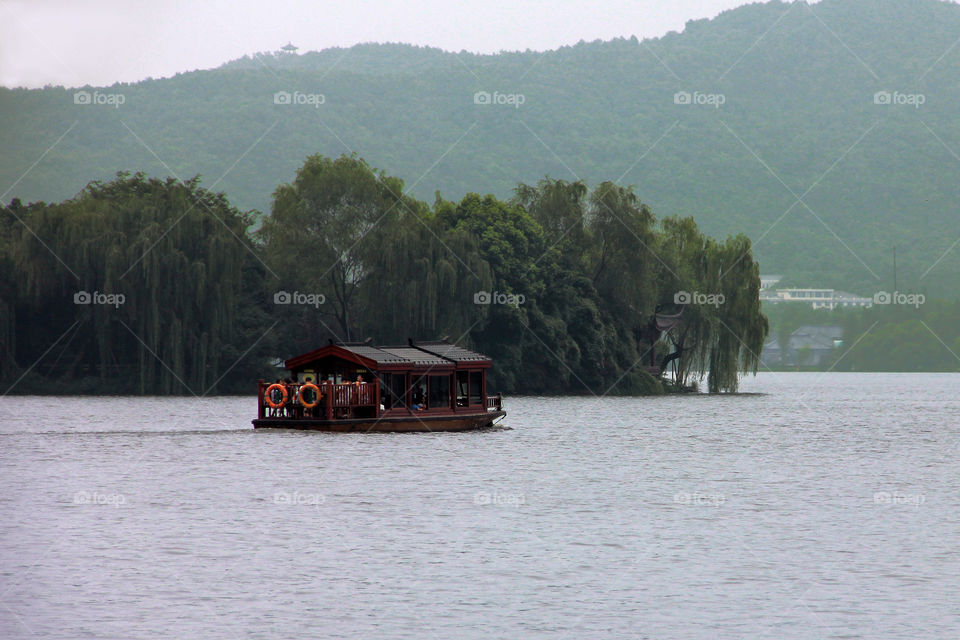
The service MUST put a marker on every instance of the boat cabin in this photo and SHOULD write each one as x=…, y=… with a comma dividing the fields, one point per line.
x=353, y=381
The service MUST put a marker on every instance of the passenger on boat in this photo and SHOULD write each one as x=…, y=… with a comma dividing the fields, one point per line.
x=418, y=393
x=355, y=390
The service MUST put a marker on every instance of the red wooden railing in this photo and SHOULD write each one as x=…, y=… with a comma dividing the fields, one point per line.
x=495, y=403
x=351, y=394
x=336, y=400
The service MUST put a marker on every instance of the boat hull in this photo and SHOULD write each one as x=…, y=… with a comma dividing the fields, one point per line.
x=395, y=424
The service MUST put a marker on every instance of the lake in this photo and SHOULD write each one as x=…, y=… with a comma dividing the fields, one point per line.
x=810, y=506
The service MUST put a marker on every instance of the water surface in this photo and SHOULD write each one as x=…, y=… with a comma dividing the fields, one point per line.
x=815, y=506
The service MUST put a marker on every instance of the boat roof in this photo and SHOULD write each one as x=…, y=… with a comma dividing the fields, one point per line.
x=451, y=351
x=374, y=353
x=414, y=355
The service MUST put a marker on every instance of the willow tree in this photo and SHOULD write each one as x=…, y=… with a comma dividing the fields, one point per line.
x=682, y=267
x=737, y=342
x=426, y=276
x=326, y=230
x=180, y=271
x=723, y=328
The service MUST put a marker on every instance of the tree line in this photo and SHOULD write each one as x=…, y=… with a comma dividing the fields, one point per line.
x=149, y=286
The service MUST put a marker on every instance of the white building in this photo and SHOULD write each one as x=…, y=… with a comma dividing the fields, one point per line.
x=817, y=298
x=768, y=281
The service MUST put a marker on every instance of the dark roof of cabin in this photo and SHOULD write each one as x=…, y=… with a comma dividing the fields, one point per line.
x=414, y=355
x=374, y=353
x=420, y=354
x=450, y=351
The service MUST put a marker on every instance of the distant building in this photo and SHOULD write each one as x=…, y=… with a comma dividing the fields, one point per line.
x=817, y=298
x=289, y=48
x=768, y=281
x=808, y=346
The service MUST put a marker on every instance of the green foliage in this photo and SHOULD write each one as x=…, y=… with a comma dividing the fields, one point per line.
x=553, y=284
x=723, y=336
x=571, y=273
x=883, y=337
x=185, y=313
x=901, y=338
x=328, y=225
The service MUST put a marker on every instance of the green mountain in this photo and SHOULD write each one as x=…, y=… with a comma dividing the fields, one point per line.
x=827, y=133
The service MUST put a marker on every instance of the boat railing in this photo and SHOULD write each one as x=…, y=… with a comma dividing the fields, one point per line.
x=336, y=400
x=352, y=394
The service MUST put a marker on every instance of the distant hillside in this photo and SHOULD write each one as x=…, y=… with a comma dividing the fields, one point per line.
x=850, y=105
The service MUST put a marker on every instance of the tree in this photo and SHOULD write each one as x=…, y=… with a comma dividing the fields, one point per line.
x=723, y=330
x=621, y=259
x=560, y=209
x=180, y=306
x=326, y=230
x=737, y=342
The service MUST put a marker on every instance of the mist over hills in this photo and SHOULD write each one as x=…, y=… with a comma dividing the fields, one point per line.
x=828, y=133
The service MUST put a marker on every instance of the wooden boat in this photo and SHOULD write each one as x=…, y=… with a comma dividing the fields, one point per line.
x=359, y=387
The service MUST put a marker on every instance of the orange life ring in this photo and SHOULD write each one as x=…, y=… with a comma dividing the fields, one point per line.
x=316, y=397
x=268, y=396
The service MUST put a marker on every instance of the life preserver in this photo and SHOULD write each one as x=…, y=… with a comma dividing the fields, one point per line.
x=316, y=395
x=268, y=396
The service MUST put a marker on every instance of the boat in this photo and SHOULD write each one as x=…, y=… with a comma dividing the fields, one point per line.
x=359, y=387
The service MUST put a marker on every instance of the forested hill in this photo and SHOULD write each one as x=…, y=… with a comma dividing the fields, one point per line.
x=827, y=132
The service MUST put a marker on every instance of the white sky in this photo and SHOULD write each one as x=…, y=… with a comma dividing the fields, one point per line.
x=99, y=42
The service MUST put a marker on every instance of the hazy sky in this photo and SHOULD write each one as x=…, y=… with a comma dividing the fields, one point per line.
x=99, y=42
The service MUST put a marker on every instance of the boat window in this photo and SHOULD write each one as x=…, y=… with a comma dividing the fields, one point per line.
x=385, y=397
x=463, y=387
x=439, y=392
x=475, y=387
x=418, y=392
x=398, y=389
